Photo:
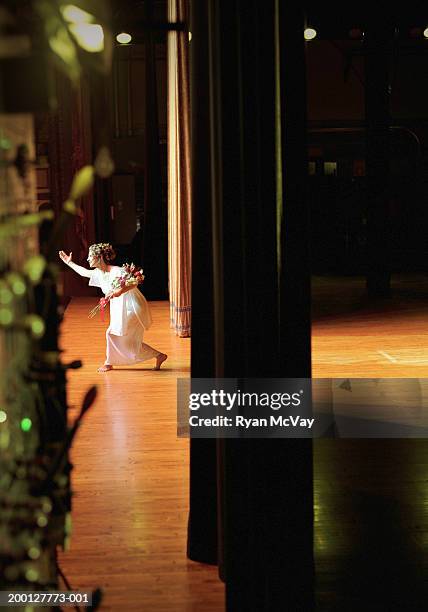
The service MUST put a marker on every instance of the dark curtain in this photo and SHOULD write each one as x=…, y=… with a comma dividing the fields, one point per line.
x=69, y=149
x=251, y=297
x=155, y=233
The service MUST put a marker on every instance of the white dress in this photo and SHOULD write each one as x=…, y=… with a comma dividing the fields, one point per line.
x=129, y=317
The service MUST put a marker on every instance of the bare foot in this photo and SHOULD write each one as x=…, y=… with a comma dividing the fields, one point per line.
x=105, y=368
x=159, y=360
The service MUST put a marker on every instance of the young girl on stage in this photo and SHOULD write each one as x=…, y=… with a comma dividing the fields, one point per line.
x=129, y=311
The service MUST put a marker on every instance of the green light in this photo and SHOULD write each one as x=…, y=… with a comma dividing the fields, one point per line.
x=61, y=44
x=38, y=327
x=42, y=521
x=5, y=144
x=70, y=207
x=26, y=424
x=6, y=316
x=4, y=440
x=5, y=296
x=36, y=324
x=34, y=267
x=18, y=287
x=16, y=282
x=3, y=416
x=82, y=182
x=34, y=552
x=68, y=523
x=31, y=574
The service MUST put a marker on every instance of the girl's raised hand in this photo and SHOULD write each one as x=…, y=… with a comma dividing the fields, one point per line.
x=65, y=258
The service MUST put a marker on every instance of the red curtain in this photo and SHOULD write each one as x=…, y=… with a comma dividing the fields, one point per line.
x=70, y=148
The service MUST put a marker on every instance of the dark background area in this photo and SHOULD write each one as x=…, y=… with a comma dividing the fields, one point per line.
x=337, y=140
x=130, y=109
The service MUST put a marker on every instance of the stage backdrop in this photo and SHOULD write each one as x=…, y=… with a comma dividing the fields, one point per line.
x=69, y=148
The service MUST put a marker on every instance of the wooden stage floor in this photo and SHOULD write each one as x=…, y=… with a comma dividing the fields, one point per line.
x=130, y=472
x=353, y=336
x=370, y=495
x=130, y=476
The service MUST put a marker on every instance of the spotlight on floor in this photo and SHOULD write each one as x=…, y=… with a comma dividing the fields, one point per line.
x=124, y=38
x=309, y=33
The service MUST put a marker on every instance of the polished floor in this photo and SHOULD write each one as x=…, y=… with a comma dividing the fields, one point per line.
x=130, y=476
x=130, y=472
x=371, y=496
x=355, y=336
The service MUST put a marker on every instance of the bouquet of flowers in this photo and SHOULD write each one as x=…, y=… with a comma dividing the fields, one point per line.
x=131, y=275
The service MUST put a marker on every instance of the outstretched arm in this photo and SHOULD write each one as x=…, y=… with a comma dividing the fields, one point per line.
x=79, y=269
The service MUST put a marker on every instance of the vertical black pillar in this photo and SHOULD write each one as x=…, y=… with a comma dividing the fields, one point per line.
x=266, y=527
x=246, y=56
x=251, y=291
x=378, y=40
x=290, y=470
x=155, y=233
x=202, y=532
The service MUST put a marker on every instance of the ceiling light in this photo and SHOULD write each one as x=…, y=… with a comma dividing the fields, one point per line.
x=309, y=33
x=124, y=38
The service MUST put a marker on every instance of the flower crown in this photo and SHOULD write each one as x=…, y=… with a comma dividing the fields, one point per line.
x=104, y=250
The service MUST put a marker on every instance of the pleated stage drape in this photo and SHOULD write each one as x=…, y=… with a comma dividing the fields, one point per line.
x=179, y=188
